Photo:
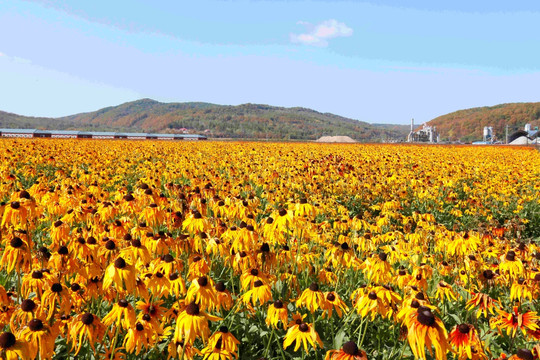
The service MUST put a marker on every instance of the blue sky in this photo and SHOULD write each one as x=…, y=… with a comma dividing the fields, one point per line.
x=381, y=62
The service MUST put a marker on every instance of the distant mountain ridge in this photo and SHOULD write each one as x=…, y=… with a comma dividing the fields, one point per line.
x=467, y=125
x=254, y=121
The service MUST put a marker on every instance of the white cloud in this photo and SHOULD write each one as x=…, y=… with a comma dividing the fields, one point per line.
x=318, y=35
x=2, y=54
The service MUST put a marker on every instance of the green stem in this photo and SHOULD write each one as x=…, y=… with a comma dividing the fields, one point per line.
x=269, y=342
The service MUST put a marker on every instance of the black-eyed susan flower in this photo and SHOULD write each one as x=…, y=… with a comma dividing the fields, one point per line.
x=15, y=215
x=223, y=296
x=35, y=281
x=277, y=312
x=312, y=298
x=511, y=266
x=85, y=327
x=217, y=352
x=370, y=304
x=521, y=290
x=121, y=274
x=445, y=291
x=349, y=351
x=193, y=323
x=514, y=321
x=122, y=314
x=151, y=312
x=260, y=293
x=140, y=336
x=16, y=256
x=483, y=302
x=426, y=330
x=27, y=310
x=464, y=339
x=202, y=292
x=40, y=338
x=227, y=339
x=333, y=302
x=12, y=348
x=302, y=334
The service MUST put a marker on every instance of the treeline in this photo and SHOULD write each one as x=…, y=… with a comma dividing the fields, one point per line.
x=243, y=121
x=467, y=125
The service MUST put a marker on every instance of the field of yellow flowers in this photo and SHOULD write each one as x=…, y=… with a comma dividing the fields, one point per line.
x=203, y=250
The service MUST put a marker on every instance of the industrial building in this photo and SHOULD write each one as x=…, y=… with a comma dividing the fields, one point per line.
x=72, y=134
x=427, y=134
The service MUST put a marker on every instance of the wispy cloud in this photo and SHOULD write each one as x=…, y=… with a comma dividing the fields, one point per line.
x=318, y=35
x=2, y=54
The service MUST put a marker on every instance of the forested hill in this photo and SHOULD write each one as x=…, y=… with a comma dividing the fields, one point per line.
x=467, y=125
x=250, y=121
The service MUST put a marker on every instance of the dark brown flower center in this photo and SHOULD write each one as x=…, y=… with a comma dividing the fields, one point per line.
x=28, y=305
x=192, y=309
x=123, y=303
x=223, y=329
x=330, y=297
x=220, y=286
x=425, y=316
x=35, y=325
x=488, y=274
x=15, y=205
x=372, y=296
x=16, y=242
x=420, y=296
x=511, y=255
x=464, y=328
x=203, y=281
x=282, y=212
x=258, y=283
x=254, y=272
x=110, y=245
x=7, y=340
x=120, y=263
x=87, y=319
x=383, y=256
x=525, y=354
x=278, y=304
x=24, y=195
x=75, y=287
x=303, y=327
x=56, y=287
x=139, y=326
x=350, y=348
x=314, y=286
x=37, y=275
